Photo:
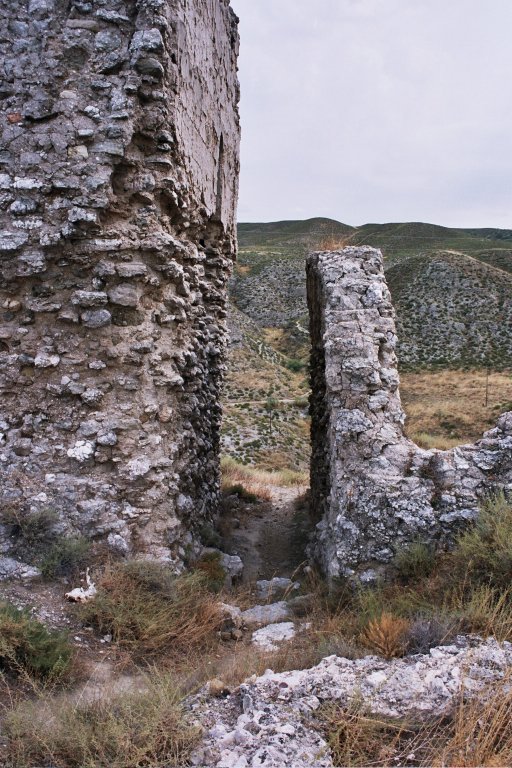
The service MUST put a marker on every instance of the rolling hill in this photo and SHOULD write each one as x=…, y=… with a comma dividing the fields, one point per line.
x=469, y=268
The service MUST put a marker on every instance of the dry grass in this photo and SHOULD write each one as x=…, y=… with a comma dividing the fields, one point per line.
x=129, y=730
x=151, y=613
x=447, y=408
x=387, y=635
x=257, y=481
x=333, y=243
x=476, y=733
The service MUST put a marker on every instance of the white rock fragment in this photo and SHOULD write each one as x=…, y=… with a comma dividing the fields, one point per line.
x=82, y=450
x=268, y=638
x=44, y=360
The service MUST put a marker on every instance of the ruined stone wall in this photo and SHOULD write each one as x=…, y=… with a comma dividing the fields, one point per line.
x=373, y=490
x=118, y=187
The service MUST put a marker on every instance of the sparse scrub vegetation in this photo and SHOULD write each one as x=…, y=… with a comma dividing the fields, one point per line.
x=129, y=730
x=484, y=552
x=150, y=612
x=417, y=561
x=28, y=648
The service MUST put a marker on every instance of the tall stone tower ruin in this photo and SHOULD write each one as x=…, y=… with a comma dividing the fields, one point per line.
x=118, y=186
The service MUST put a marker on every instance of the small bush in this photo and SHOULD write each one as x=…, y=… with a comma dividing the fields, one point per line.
x=239, y=490
x=66, y=557
x=28, y=647
x=33, y=532
x=484, y=552
x=209, y=565
x=295, y=365
x=210, y=537
x=387, y=635
x=151, y=612
x=126, y=731
x=415, y=562
x=424, y=634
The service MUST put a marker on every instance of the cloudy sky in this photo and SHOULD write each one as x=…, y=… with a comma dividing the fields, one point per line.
x=377, y=110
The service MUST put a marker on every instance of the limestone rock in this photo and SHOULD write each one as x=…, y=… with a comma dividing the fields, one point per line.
x=268, y=638
x=261, y=615
x=373, y=489
x=270, y=721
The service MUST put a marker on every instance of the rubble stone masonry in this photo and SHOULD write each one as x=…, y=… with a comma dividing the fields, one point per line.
x=118, y=184
x=374, y=492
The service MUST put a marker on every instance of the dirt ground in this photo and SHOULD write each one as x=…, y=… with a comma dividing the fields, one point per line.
x=270, y=537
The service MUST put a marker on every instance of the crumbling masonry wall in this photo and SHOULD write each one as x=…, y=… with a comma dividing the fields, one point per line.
x=373, y=490
x=118, y=186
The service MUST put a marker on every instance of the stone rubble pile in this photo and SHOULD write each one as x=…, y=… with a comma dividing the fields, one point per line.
x=271, y=721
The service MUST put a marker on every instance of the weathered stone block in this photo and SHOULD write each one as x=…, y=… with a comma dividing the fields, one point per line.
x=373, y=490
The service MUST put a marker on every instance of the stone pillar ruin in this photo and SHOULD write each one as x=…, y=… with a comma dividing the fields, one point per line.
x=118, y=188
x=373, y=490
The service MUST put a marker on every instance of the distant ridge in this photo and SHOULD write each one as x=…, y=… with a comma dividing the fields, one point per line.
x=452, y=288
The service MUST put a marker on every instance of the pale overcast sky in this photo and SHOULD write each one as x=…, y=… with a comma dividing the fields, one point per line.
x=377, y=110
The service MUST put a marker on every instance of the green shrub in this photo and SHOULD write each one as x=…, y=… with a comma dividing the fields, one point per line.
x=33, y=532
x=417, y=561
x=295, y=365
x=149, y=611
x=484, y=552
x=129, y=730
x=210, y=537
x=239, y=490
x=27, y=646
x=66, y=557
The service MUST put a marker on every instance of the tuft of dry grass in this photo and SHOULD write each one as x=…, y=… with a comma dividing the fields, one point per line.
x=257, y=481
x=150, y=612
x=128, y=730
x=387, y=635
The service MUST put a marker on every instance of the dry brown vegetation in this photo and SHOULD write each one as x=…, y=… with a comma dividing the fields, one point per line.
x=257, y=481
x=476, y=733
x=447, y=408
x=130, y=730
x=151, y=613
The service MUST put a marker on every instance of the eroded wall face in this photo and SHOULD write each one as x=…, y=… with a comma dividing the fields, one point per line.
x=373, y=490
x=118, y=187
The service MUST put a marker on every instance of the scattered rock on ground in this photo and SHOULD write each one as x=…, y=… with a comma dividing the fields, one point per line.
x=269, y=722
x=268, y=638
x=15, y=569
x=261, y=615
